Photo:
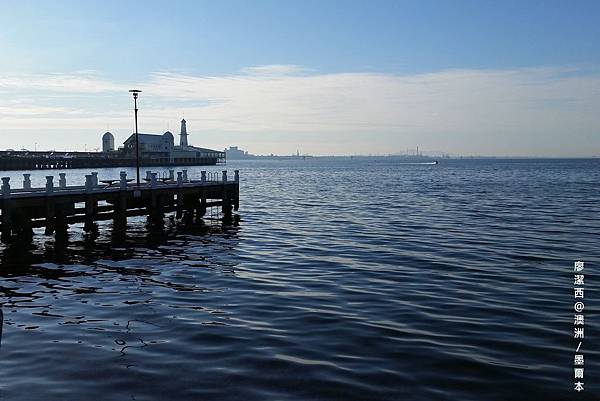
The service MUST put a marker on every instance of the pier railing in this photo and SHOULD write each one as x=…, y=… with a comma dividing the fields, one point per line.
x=152, y=180
x=56, y=206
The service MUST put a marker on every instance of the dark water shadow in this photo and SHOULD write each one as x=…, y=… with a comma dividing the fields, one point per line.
x=48, y=256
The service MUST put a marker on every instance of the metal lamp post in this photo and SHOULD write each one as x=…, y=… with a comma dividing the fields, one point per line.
x=137, y=143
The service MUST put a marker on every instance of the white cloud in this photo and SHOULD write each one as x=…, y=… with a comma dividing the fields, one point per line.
x=78, y=82
x=275, y=69
x=450, y=101
x=546, y=111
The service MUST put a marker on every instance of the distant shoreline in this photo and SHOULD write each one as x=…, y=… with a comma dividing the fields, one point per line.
x=413, y=157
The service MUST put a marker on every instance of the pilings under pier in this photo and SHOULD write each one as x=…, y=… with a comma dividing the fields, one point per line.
x=55, y=208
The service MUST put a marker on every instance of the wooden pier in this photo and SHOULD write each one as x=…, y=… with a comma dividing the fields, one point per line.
x=55, y=207
x=50, y=160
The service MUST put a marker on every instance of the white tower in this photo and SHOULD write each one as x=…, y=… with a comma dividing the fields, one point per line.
x=183, y=134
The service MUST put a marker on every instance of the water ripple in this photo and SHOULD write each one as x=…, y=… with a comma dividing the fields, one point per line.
x=344, y=280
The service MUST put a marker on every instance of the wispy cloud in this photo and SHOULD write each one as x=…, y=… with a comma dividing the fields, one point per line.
x=449, y=101
x=532, y=110
x=275, y=69
x=78, y=82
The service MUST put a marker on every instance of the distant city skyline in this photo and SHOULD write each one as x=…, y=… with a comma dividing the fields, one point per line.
x=318, y=77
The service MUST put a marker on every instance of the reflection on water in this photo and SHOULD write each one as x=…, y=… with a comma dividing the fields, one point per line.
x=112, y=242
x=94, y=296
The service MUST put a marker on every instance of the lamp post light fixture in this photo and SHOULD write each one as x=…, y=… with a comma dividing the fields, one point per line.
x=135, y=93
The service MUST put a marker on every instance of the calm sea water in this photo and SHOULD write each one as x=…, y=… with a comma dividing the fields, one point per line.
x=344, y=280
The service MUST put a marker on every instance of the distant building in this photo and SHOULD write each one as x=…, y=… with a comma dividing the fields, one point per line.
x=162, y=148
x=233, y=153
x=108, y=142
x=151, y=145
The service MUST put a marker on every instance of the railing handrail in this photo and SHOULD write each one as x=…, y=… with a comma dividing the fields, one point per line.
x=208, y=178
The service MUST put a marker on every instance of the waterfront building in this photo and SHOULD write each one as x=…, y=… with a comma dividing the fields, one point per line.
x=162, y=147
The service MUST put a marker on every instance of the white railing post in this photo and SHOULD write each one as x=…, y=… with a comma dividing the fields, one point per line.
x=224, y=176
x=6, y=186
x=153, y=180
x=49, y=184
x=89, y=183
x=179, y=178
x=26, y=181
x=62, y=180
x=123, y=175
x=185, y=177
x=203, y=177
x=236, y=175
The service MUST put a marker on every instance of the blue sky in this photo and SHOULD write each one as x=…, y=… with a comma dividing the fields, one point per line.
x=264, y=74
